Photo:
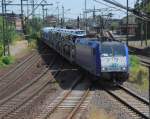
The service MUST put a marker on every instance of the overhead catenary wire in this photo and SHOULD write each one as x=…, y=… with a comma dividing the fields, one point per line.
x=37, y=7
x=132, y=11
x=110, y=6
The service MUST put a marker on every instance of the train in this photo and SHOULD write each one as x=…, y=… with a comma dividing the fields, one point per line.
x=102, y=59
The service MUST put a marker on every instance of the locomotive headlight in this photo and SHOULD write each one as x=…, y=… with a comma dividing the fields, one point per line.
x=123, y=68
x=104, y=69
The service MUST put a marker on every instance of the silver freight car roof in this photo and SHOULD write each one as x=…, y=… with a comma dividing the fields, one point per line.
x=74, y=32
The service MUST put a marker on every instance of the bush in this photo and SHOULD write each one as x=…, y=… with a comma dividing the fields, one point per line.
x=32, y=43
x=6, y=60
x=1, y=50
x=2, y=64
x=138, y=73
x=134, y=61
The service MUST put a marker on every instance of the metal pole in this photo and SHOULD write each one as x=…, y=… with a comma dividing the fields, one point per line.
x=46, y=15
x=141, y=33
x=63, y=16
x=32, y=8
x=78, y=22
x=6, y=30
x=43, y=13
x=46, y=12
x=94, y=14
x=22, y=21
x=85, y=16
x=27, y=7
x=127, y=21
x=146, y=33
x=3, y=29
x=58, y=14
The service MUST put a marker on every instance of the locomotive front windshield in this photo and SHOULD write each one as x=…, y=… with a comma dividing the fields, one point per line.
x=112, y=50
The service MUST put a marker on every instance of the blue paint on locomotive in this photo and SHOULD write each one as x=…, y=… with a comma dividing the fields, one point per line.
x=127, y=58
x=88, y=55
x=98, y=62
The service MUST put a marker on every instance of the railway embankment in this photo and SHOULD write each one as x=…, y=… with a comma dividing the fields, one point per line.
x=139, y=77
x=18, y=52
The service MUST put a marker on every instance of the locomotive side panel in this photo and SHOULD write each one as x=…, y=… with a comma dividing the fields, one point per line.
x=86, y=56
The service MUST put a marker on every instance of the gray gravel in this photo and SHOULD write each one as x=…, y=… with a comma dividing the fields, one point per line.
x=102, y=100
x=135, y=89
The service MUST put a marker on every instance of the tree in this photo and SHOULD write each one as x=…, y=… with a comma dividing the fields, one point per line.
x=33, y=27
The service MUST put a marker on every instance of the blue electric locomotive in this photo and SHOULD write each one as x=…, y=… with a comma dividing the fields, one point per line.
x=102, y=59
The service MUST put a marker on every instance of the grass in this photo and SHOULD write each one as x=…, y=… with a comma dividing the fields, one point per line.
x=33, y=44
x=6, y=60
x=96, y=113
x=138, y=74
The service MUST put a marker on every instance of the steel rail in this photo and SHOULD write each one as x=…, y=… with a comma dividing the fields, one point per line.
x=74, y=111
x=64, y=97
x=144, y=100
x=19, y=65
x=25, y=87
x=44, y=73
x=28, y=99
x=126, y=103
x=5, y=87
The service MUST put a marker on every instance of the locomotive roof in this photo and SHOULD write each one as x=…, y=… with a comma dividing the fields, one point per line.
x=115, y=43
x=47, y=29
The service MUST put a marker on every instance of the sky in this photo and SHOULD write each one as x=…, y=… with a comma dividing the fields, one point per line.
x=74, y=8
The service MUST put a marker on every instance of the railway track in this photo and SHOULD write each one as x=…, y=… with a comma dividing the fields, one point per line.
x=28, y=74
x=144, y=60
x=14, y=102
x=15, y=83
x=137, y=51
x=69, y=102
x=138, y=107
x=15, y=69
x=18, y=71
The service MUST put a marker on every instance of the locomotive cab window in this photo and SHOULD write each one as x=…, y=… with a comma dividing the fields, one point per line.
x=108, y=50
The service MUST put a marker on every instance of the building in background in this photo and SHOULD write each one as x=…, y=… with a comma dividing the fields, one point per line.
x=132, y=26
x=14, y=19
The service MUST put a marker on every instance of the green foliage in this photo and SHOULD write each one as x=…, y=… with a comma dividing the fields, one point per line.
x=1, y=49
x=10, y=34
x=33, y=44
x=134, y=62
x=138, y=74
x=33, y=27
x=6, y=60
x=146, y=8
x=114, y=25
